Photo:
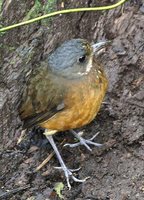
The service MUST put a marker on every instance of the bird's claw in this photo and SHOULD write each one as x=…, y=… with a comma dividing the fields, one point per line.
x=72, y=170
x=94, y=136
x=85, y=142
x=69, y=173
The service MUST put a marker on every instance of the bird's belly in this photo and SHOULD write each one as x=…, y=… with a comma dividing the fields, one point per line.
x=81, y=107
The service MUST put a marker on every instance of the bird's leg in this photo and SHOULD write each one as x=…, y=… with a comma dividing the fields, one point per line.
x=83, y=141
x=67, y=172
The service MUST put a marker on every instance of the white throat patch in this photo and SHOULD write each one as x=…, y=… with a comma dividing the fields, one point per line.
x=88, y=68
x=89, y=65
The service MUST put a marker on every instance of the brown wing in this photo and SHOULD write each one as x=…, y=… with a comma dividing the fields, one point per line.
x=42, y=98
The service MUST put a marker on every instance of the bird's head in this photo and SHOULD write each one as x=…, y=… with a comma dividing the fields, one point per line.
x=73, y=58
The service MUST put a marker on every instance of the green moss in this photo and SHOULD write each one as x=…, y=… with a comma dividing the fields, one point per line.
x=0, y=4
x=7, y=47
x=1, y=33
x=34, y=11
x=48, y=7
x=1, y=1
x=39, y=9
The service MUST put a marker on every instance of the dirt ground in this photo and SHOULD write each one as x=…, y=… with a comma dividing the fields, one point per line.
x=115, y=171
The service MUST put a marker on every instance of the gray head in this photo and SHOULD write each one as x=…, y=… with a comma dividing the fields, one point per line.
x=72, y=59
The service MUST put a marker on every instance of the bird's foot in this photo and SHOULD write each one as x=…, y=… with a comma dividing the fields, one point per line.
x=69, y=173
x=82, y=141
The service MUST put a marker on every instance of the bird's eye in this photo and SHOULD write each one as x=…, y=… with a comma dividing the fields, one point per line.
x=82, y=59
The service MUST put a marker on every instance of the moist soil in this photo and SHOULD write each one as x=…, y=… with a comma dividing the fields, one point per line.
x=116, y=170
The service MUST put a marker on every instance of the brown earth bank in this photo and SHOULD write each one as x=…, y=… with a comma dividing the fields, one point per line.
x=115, y=171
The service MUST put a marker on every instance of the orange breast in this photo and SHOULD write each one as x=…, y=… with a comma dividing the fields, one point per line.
x=82, y=103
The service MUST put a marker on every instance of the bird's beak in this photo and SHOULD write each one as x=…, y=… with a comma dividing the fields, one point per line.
x=100, y=46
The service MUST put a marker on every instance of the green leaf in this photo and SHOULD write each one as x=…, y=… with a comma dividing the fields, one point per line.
x=58, y=188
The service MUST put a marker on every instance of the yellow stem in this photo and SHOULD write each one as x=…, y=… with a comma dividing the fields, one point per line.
x=63, y=12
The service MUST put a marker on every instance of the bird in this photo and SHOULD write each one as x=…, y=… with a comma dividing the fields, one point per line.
x=65, y=92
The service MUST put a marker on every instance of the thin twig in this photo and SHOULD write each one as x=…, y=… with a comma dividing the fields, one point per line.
x=11, y=192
